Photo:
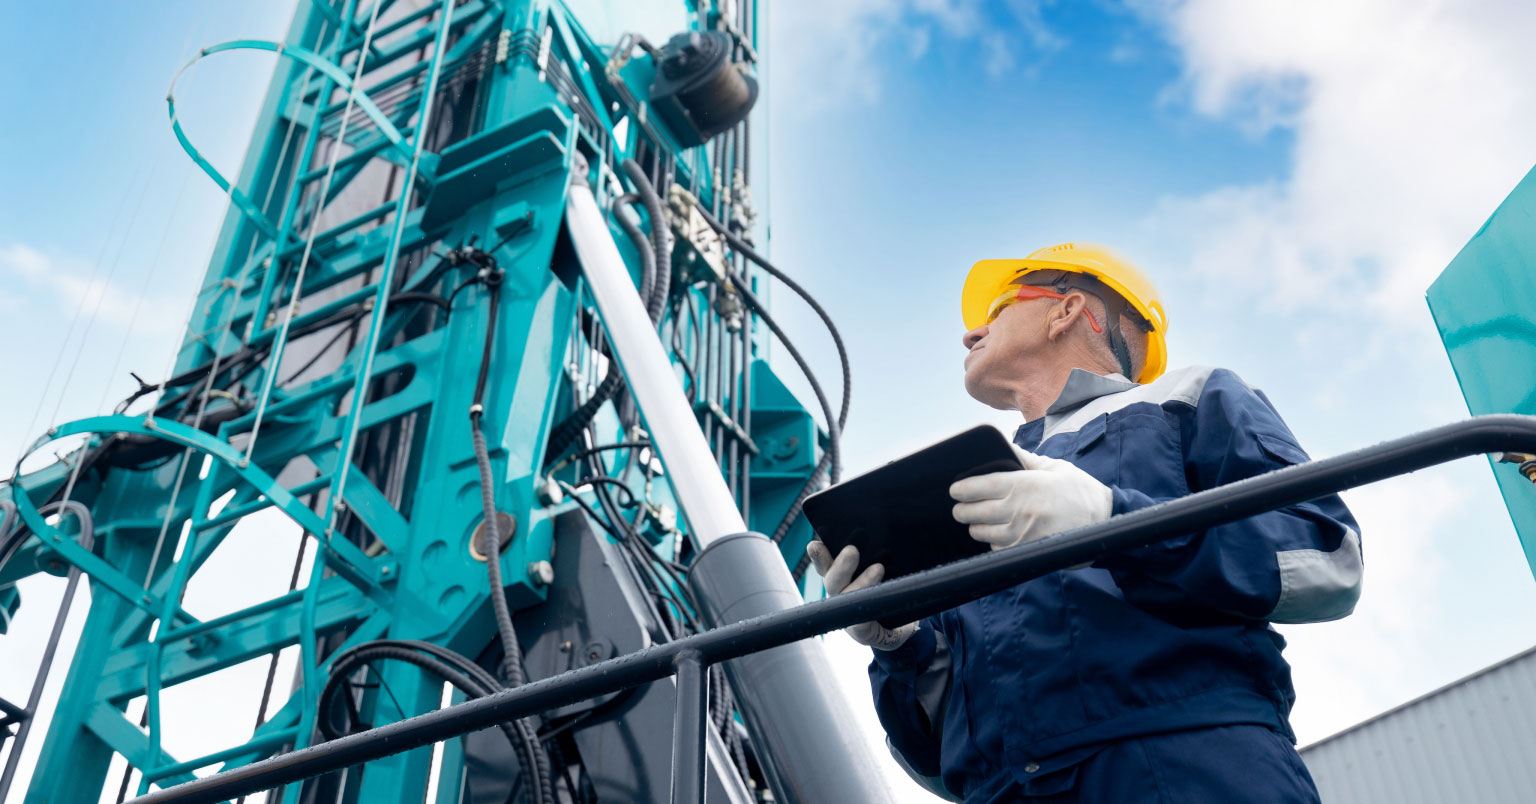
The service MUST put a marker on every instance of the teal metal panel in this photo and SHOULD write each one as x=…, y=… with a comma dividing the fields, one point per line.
x=1484, y=305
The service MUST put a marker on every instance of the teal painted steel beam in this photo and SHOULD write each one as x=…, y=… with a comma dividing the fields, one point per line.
x=356, y=568
x=497, y=171
x=1484, y=305
x=239, y=637
x=261, y=744
x=126, y=739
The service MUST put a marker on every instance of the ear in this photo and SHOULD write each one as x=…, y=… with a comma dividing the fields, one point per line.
x=1064, y=314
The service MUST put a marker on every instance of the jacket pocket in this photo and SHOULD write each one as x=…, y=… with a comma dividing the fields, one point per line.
x=1282, y=450
x=1148, y=455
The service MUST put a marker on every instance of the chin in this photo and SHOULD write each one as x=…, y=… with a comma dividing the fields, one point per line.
x=985, y=394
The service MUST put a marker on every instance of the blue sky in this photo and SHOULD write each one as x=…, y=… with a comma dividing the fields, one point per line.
x=1293, y=176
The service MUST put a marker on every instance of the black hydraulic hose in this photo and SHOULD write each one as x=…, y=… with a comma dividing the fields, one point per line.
x=642, y=245
x=349, y=661
x=655, y=262
x=570, y=428
x=490, y=547
x=135, y=451
x=639, y=552
x=600, y=448
x=661, y=238
x=745, y=249
x=418, y=297
x=463, y=663
x=654, y=301
x=251, y=356
x=493, y=307
x=523, y=740
x=823, y=465
x=512, y=654
x=320, y=353
x=831, y=459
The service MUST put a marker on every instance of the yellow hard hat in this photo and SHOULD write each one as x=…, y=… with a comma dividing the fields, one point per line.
x=990, y=278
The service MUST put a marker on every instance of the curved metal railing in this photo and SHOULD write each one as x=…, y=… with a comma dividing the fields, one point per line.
x=911, y=597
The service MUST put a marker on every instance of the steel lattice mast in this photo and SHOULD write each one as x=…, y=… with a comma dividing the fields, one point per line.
x=397, y=276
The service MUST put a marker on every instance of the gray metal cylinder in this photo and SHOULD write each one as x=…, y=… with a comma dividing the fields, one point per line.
x=812, y=752
x=691, y=468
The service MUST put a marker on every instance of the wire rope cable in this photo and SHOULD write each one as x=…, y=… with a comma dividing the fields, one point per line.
x=279, y=344
x=191, y=35
x=69, y=331
x=87, y=538
x=407, y=191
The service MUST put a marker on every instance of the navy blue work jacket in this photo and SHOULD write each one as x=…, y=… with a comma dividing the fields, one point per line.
x=1003, y=691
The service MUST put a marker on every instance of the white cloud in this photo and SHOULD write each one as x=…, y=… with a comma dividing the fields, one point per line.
x=66, y=283
x=1411, y=122
x=23, y=260
x=825, y=54
x=1338, y=666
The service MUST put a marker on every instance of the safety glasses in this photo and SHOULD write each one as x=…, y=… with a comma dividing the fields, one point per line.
x=1026, y=292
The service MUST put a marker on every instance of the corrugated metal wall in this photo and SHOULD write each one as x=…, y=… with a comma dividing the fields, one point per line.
x=1472, y=741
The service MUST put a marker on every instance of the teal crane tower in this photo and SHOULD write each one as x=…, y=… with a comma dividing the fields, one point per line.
x=486, y=283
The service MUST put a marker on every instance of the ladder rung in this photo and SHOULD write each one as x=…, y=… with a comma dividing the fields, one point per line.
x=225, y=517
x=359, y=155
x=256, y=744
x=343, y=227
x=218, y=622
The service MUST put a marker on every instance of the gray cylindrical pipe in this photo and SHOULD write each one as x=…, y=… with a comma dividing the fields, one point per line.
x=691, y=469
x=804, y=734
x=799, y=723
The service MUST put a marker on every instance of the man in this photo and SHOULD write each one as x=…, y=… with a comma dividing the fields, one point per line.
x=1152, y=675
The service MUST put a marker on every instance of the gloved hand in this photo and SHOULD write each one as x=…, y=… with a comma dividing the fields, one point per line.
x=835, y=575
x=1047, y=496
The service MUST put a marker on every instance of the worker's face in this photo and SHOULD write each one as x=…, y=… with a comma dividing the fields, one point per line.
x=1002, y=354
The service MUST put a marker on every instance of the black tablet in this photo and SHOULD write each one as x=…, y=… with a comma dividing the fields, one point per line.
x=901, y=515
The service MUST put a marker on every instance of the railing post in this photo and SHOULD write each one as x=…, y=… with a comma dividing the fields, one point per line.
x=688, y=729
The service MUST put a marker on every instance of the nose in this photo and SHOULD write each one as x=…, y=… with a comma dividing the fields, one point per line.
x=970, y=338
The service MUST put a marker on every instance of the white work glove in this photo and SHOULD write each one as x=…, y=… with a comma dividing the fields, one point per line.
x=1047, y=496
x=835, y=575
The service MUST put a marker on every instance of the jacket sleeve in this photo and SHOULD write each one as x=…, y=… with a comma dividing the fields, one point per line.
x=911, y=688
x=1294, y=565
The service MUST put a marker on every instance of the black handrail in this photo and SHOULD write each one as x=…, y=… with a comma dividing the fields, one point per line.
x=907, y=598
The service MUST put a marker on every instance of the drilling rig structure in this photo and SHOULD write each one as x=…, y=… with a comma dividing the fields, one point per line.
x=486, y=287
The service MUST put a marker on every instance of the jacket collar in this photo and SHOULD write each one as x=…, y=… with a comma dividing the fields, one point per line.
x=1084, y=386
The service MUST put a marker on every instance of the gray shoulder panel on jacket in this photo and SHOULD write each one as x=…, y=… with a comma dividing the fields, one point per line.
x=1180, y=385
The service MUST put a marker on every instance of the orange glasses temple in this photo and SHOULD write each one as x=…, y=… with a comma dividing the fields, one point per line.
x=1026, y=292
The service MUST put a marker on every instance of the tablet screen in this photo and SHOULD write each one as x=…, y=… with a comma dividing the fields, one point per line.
x=901, y=514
